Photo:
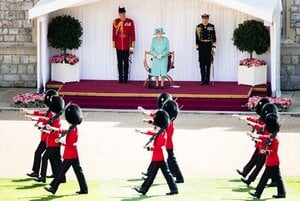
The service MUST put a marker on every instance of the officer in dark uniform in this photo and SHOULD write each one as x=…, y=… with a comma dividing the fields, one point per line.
x=205, y=43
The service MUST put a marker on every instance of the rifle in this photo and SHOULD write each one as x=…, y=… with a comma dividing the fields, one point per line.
x=71, y=127
x=52, y=119
x=153, y=137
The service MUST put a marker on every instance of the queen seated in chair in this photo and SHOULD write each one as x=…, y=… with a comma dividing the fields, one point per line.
x=160, y=52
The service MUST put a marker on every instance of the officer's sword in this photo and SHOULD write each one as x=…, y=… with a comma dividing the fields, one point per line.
x=212, y=68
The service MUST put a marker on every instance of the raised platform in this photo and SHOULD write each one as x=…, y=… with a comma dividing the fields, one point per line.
x=108, y=94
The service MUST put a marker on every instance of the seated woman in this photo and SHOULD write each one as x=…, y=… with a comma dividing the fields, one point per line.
x=159, y=51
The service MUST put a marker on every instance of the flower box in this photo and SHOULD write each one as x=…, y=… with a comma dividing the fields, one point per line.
x=63, y=72
x=252, y=75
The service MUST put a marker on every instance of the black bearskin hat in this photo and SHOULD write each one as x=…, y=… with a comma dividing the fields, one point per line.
x=161, y=119
x=57, y=104
x=163, y=97
x=171, y=107
x=122, y=10
x=272, y=124
x=48, y=95
x=260, y=105
x=73, y=114
x=267, y=109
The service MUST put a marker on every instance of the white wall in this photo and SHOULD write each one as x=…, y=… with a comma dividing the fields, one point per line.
x=178, y=18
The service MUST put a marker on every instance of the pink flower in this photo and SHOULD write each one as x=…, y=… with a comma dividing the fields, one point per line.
x=281, y=103
x=67, y=58
x=28, y=98
x=252, y=62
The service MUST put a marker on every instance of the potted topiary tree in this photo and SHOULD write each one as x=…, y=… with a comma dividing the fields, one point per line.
x=64, y=33
x=252, y=36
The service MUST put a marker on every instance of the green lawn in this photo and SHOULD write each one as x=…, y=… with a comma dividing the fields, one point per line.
x=194, y=189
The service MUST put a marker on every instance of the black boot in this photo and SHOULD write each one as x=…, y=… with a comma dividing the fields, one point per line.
x=40, y=179
x=140, y=190
x=50, y=189
x=125, y=79
x=32, y=174
x=121, y=79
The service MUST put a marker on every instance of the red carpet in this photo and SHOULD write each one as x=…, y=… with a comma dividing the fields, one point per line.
x=221, y=96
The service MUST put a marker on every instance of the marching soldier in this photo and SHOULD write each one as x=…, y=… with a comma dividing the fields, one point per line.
x=272, y=169
x=42, y=145
x=123, y=36
x=52, y=152
x=73, y=116
x=161, y=122
x=205, y=43
x=171, y=107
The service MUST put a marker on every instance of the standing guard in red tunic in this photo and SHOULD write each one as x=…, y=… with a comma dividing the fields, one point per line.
x=123, y=36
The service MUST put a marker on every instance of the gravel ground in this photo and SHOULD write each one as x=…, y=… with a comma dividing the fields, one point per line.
x=206, y=145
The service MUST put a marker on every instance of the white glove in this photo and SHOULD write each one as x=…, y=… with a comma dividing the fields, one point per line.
x=131, y=50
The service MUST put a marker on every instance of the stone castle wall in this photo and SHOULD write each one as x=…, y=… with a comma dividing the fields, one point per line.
x=17, y=46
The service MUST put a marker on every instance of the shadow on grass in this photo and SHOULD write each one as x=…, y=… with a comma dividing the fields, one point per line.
x=140, y=197
x=21, y=180
x=130, y=180
x=31, y=186
x=242, y=190
x=48, y=197
x=247, y=199
x=234, y=180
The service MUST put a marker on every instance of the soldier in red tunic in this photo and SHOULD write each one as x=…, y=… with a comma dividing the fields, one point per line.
x=42, y=145
x=52, y=152
x=171, y=107
x=73, y=116
x=272, y=169
x=161, y=122
x=123, y=36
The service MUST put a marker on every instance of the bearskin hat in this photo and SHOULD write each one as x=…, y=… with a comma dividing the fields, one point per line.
x=267, y=109
x=73, y=114
x=161, y=119
x=171, y=107
x=260, y=105
x=163, y=97
x=57, y=104
x=272, y=123
x=48, y=95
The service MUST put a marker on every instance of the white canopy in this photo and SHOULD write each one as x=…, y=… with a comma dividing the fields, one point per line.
x=184, y=14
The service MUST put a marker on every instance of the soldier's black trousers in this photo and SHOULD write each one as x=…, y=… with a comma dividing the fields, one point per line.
x=67, y=163
x=261, y=159
x=53, y=154
x=123, y=64
x=155, y=166
x=38, y=156
x=173, y=165
x=248, y=167
x=271, y=172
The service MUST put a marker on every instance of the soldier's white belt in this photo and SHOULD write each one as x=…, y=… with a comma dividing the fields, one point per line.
x=206, y=41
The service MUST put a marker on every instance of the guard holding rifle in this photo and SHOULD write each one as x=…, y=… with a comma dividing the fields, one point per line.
x=205, y=44
x=73, y=116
